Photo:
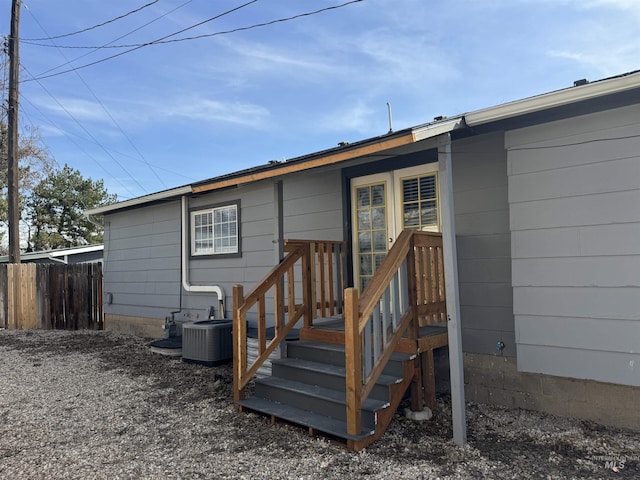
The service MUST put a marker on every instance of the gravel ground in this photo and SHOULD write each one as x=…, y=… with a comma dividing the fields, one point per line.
x=97, y=405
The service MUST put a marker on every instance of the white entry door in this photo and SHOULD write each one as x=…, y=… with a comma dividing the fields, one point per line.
x=382, y=206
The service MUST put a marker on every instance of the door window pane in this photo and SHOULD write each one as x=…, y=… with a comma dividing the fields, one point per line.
x=371, y=229
x=364, y=241
x=364, y=219
x=377, y=195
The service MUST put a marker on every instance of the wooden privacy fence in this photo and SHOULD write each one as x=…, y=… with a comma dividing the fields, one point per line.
x=51, y=296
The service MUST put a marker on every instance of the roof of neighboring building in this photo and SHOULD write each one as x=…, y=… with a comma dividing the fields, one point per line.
x=91, y=252
x=492, y=118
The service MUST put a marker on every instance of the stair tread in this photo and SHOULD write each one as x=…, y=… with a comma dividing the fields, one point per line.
x=333, y=347
x=370, y=404
x=328, y=425
x=329, y=368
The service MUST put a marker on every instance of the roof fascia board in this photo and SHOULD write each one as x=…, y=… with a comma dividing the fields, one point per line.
x=553, y=99
x=154, y=197
x=294, y=167
x=77, y=251
x=432, y=130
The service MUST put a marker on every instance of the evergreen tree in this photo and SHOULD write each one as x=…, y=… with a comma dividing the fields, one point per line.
x=56, y=209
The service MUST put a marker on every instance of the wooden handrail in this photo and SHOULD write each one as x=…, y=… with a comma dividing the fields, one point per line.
x=295, y=288
x=242, y=372
x=411, y=270
x=383, y=275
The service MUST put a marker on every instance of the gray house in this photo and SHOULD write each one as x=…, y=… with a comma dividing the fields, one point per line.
x=538, y=202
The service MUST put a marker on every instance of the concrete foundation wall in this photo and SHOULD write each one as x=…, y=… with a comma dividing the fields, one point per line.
x=138, y=326
x=495, y=380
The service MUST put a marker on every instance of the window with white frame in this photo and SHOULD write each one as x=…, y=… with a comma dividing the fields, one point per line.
x=214, y=231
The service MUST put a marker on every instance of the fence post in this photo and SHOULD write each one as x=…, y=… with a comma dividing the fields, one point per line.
x=353, y=361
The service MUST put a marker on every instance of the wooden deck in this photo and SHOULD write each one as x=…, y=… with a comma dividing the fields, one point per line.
x=398, y=319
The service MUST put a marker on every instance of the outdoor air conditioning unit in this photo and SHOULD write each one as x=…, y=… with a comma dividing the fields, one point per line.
x=207, y=342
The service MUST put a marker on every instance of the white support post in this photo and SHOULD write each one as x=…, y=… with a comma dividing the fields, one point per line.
x=445, y=181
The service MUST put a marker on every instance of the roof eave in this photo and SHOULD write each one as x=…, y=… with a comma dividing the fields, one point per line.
x=134, y=202
x=553, y=99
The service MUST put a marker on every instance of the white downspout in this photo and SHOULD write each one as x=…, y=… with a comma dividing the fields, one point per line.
x=185, y=264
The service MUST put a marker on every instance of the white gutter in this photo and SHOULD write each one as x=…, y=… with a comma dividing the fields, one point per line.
x=553, y=99
x=185, y=264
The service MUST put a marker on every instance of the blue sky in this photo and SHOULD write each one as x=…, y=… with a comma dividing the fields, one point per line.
x=165, y=115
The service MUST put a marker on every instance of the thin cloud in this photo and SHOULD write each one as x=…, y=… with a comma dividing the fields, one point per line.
x=353, y=117
x=81, y=110
x=213, y=111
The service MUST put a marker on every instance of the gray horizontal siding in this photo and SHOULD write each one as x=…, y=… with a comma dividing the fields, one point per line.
x=580, y=363
x=257, y=236
x=312, y=205
x=143, y=246
x=143, y=255
x=142, y=261
x=587, y=302
x=611, y=271
x=483, y=244
x=574, y=191
x=596, y=209
x=582, y=333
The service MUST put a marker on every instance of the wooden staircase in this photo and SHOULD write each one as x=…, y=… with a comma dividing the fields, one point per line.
x=308, y=388
x=348, y=381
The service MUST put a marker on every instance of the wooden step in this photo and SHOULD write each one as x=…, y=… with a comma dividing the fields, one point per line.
x=327, y=375
x=334, y=354
x=320, y=400
x=327, y=425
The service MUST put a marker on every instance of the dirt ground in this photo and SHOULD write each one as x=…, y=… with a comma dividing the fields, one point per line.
x=101, y=405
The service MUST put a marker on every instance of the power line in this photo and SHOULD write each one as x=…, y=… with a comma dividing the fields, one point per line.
x=66, y=134
x=106, y=45
x=69, y=134
x=94, y=26
x=148, y=43
x=88, y=133
x=164, y=41
x=105, y=110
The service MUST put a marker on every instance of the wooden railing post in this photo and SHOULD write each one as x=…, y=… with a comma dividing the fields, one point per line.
x=240, y=343
x=412, y=283
x=353, y=361
x=417, y=395
x=308, y=286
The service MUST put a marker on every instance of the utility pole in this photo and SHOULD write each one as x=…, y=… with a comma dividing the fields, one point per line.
x=12, y=170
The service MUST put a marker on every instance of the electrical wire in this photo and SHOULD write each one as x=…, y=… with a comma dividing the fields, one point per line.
x=91, y=28
x=106, y=110
x=145, y=44
x=163, y=40
x=68, y=134
x=88, y=133
x=87, y=154
x=106, y=45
